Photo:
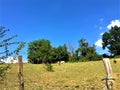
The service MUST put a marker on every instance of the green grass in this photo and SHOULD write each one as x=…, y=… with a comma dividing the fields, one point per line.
x=69, y=76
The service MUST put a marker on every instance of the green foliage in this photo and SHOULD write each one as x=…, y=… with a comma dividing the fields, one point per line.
x=92, y=55
x=21, y=45
x=49, y=67
x=3, y=70
x=83, y=46
x=86, y=52
x=117, y=56
x=61, y=53
x=111, y=40
x=5, y=43
x=40, y=51
x=4, y=47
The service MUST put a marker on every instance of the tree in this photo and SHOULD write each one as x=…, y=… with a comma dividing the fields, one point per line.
x=92, y=55
x=5, y=43
x=61, y=53
x=83, y=46
x=111, y=40
x=39, y=51
x=86, y=52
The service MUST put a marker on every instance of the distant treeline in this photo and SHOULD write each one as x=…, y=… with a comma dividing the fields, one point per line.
x=41, y=51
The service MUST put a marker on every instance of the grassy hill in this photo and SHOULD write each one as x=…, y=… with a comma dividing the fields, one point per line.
x=69, y=76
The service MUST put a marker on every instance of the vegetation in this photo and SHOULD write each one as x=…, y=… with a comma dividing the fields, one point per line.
x=5, y=44
x=86, y=52
x=5, y=48
x=69, y=76
x=111, y=40
x=40, y=51
x=61, y=53
x=3, y=70
x=49, y=67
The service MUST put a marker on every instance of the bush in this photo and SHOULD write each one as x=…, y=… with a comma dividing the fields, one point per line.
x=90, y=57
x=117, y=56
x=83, y=59
x=49, y=67
x=3, y=70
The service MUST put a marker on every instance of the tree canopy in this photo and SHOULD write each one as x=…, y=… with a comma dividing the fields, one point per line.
x=85, y=52
x=41, y=51
x=61, y=53
x=111, y=40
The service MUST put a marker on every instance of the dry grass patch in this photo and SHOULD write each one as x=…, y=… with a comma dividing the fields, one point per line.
x=69, y=76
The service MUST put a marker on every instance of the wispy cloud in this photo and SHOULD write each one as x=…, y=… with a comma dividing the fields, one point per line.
x=98, y=43
x=113, y=23
x=100, y=28
x=101, y=19
x=101, y=33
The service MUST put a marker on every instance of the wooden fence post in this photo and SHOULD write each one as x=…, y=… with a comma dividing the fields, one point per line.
x=109, y=79
x=20, y=73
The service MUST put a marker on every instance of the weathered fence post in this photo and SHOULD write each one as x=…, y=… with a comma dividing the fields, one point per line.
x=20, y=73
x=109, y=79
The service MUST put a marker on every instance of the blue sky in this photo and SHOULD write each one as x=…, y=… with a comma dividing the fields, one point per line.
x=60, y=21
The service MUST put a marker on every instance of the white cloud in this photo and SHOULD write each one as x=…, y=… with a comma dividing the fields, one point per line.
x=101, y=33
x=113, y=23
x=99, y=43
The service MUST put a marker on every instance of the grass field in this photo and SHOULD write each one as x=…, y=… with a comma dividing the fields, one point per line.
x=69, y=76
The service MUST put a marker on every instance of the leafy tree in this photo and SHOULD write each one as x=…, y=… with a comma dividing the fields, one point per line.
x=61, y=53
x=39, y=51
x=86, y=52
x=4, y=47
x=111, y=40
x=92, y=55
x=5, y=44
x=83, y=46
x=76, y=55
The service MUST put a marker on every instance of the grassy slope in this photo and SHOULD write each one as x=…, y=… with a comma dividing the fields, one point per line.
x=70, y=76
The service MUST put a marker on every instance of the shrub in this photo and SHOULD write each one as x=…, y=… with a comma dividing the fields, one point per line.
x=49, y=67
x=3, y=70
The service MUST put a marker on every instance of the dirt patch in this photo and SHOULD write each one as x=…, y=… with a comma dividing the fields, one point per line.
x=116, y=75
